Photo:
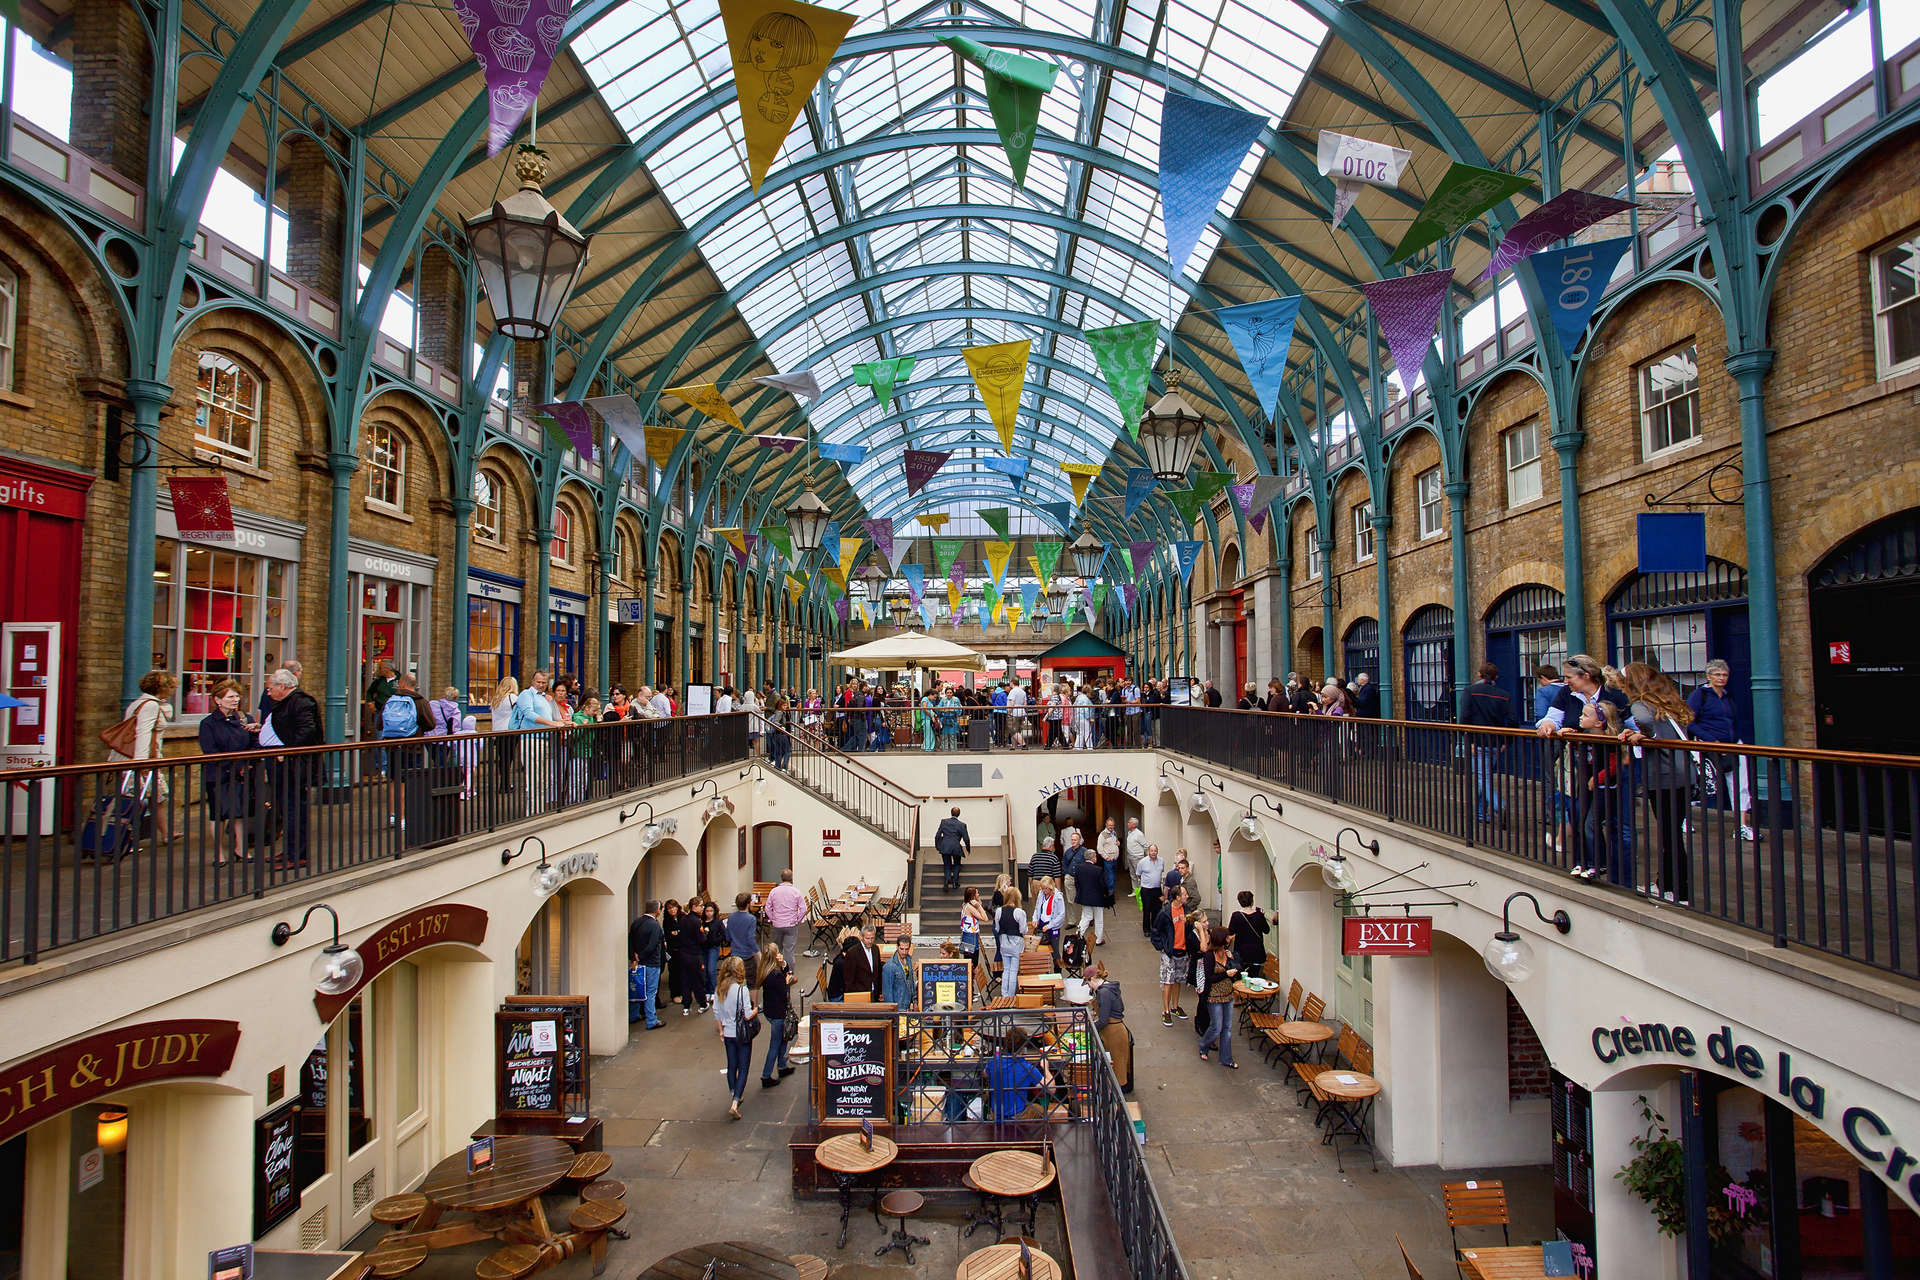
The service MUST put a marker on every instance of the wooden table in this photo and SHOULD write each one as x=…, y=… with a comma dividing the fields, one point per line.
x=1008, y=1175
x=846, y=1157
x=1350, y=1096
x=736, y=1257
x=502, y=1202
x=1504, y=1262
x=1306, y=1033
x=1350, y=1086
x=1002, y=1262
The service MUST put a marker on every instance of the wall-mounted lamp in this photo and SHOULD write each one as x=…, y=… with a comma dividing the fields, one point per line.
x=110, y=1129
x=1250, y=825
x=719, y=804
x=338, y=967
x=655, y=830
x=1359, y=841
x=1200, y=801
x=759, y=778
x=546, y=877
x=1166, y=783
x=1509, y=956
x=1336, y=872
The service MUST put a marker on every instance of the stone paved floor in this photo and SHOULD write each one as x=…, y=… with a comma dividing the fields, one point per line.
x=1251, y=1193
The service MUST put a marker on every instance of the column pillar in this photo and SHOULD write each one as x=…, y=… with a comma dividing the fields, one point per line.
x=340, y=683
x=543, y=591
x=143, y=499
x=1328, y=654
x=462, y=524
x=1456, y=491
x=1283, y=596
x=1566, y=445
x=602, y=628
x=1749, y=370
x=1626, y=1239
x=1383, y=678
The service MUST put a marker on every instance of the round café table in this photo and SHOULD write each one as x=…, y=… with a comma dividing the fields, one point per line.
x=504, y=1198
x=1008, y=1175
x=1002, y=1262
x=1349, y=1101
x=846, y=1157
x=737, y=1259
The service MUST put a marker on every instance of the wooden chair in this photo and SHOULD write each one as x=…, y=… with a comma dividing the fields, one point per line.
x=390, y=1259
x=605, y=1189
x=1279, y=1048
x=1036, y=961
x=809, y=1266
x=1475, y=1204
x=1030, y=1000
x=515, y=1262
x=1304, y=1072
x=398, y=1211
x=595, y=1220
x=1413, y=1272
x=588, y=1167
x=857, y=997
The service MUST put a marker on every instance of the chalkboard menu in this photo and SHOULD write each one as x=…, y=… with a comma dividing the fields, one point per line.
x=541, y=1066
x=944, y=983
x=276, y=1193
x=856, y=1083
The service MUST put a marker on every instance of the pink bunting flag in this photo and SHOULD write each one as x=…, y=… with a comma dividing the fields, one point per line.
x=515, y=42
x=1552, y=222
x=1407, y=309
x=921, y=466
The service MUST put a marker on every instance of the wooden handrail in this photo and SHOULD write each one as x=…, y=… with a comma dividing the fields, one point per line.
x=818, y=742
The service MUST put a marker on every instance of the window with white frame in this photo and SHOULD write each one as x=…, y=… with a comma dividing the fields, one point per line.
x=486, y=507
x=1896, y=306
x=386, y=466
x=226, y=409
x=561, y=549
x=1522, y=446
x=9, y=321
x=1313, y=555
x=1362, y=532
x=1432, y=512
x=1670, y=401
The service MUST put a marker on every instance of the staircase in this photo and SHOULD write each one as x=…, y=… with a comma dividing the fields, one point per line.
x=940, y=908
x=862, y=795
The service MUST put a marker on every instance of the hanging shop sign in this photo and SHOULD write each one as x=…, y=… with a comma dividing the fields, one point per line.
x=1068, y=783
x=253, y=535
x=81, y=1070
x=815, y=653
x=430, y=926
x=1368, y=936
x=630, y=609
x=276, y=1193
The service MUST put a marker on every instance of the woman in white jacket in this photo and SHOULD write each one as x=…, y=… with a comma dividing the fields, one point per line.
x=151, y=713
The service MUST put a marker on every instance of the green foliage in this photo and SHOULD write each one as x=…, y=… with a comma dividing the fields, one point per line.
x=1657, y=1175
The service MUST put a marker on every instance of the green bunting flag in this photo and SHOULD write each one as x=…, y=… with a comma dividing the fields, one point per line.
x=780, y=537
x=1463, y=195
x=1014, y=88
x=1187, y=502
x=944, y=551
x=996, y=518
x=1048, y=554
x=1208, y=483
x=1127, y=555
x=1099, y=598
x=1125, y=355
x=883, y=376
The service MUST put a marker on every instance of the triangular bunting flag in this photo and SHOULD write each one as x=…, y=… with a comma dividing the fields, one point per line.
x=957, y=572
x=1126, y=554
x=554, y=429
x=880, y=532
x=1141, y=552
x=995, y=518
x=1187, y=502
x=796, y=587
x=1128, y=594
x=623, y=419
x=802, y=386
x=779, y=536
x=1015, y=469
x=1033, y=563
x=1466, y=192
x=944, y=550
x=1265, y=490
x=998, y=553
x=1187, y=554
x=1572, y=280
x=1048, y=553
x=515, y=45
x=1201, y=147
x=1099, y=598
x=1062, y=512
x=1558, y=218
x=936, y=521
x=884, y=376
x=1081, y=474
x=850, y=549
x=1260, y=333
x=1125, y=354
x=661, y=442
x=1356, y=162
x=921, y=465
x=1140, y=484
x=926, y=613
x=780, y=49
x=847, y=455
x=1000, y=372
x=1407, y=308
x=916, y=576
x=953, y=598
x=735, y=537
x=707, y=399
x=843, y=609
x=1029, y=596
x=785, y=444
x=1014, y=88
x=1208, y=483
x=830, y=541
x=991, y=591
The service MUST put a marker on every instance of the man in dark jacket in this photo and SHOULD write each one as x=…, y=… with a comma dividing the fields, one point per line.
x=1212, y=695
x=952, y=843
x=1489, y=707
x=647, y=953
x=1366, y=697
x=292, y=719
x=1090, y=893
x=860, y=964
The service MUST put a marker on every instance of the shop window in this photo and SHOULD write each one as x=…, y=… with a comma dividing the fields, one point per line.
x=226, y=409
x=403, y=995
x=1432, y=506
x=1362, y=532
x=219, y=615
x=9, y=319
x=1674, y=622
x=561, y=550
x=1896, y=306
x=386, y=467
x=493, y=648
x=486, y=508
x=1670, y=401
x=1427, y=647
x=1522, y=445
x=1313, y=555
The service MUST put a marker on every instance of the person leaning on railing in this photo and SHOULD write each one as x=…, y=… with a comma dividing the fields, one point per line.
x=292, y=720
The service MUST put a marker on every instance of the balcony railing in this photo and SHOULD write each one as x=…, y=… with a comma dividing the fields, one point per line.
x=90, y=850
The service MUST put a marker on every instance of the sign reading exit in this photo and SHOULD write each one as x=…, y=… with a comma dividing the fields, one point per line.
x=1407, y=936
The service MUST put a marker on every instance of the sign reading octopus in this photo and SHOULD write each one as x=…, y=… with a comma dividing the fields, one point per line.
x=515, y=41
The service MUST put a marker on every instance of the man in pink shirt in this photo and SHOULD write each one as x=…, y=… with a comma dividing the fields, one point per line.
x=786, y=908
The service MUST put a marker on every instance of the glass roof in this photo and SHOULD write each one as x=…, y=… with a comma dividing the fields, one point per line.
x=649, y=62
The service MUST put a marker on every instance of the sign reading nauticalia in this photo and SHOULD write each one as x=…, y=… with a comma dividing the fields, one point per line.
x=1870, y=1136
x=82, y=1070
x=1058, y=785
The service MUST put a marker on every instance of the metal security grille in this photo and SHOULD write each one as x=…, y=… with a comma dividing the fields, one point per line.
x=1662, y=618
x=1428, y=645
x=1361, y=649
x=1888, y=550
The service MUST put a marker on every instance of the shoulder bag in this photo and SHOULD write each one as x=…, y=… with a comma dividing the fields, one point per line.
x=123, y=737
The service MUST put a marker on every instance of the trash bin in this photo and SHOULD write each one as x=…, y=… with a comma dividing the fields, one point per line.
x=979, y=731
x=431, y=803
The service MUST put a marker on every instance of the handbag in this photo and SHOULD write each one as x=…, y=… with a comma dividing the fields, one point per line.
x=745, y=1027
x=122, y=738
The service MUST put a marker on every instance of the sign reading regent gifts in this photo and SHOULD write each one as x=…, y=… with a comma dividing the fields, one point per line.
x=48, y=1083
x=415, y=931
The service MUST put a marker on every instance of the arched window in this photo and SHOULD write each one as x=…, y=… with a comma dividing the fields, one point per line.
x=386, y=466
x=226, y=410
x=1427, y=644
x=1361, y=649
x=561, y=552
x=486, y=507
x=9, y=320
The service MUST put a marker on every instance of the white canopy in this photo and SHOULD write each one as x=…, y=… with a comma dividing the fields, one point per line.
x=910, y=649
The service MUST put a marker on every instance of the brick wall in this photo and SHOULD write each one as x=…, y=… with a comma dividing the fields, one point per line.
x=1529, y=1074
x=112, y=82
x=316, y=217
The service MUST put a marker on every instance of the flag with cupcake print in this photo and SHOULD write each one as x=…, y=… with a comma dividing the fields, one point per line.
x=515, y=41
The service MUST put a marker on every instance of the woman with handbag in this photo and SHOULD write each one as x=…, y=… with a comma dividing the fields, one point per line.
x=1659, y=714
x=738, y=1022
x=776, y=1005
x=138, y=736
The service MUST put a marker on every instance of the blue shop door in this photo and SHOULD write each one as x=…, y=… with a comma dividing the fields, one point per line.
x=1727, y=638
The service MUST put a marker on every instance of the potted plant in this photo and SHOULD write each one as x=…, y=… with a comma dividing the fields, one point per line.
x=1657, y=1175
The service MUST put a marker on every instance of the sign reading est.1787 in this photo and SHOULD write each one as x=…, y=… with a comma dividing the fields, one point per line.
x=1405, y=936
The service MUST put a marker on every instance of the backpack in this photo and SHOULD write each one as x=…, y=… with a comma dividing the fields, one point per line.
x=399, y=718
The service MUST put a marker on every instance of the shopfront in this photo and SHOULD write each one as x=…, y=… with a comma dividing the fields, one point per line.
x=663, y=671
x=567, y=634
x=41, y=510
x=494, y=601
x=392, y=593
x=224, y=612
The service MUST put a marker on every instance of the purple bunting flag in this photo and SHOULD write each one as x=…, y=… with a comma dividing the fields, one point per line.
x=573, y=419
x=1129, y=593
x=1408, y=308
x=958, y=573
x=842, y=608
x=1558, y=218
x=921, y=465
x=881, y=533
x=1142, y=551
x=785, y=444
x=515, y=42
x=1242, y=497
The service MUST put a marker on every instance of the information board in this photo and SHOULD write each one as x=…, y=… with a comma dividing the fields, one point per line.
x=532, y=1079
x=856, y=1083
x=944, y=983
x=276, y=1195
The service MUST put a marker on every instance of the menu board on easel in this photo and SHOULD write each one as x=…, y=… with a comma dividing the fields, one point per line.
x=944, y=983
x=852, y=1066
x=541, y=1063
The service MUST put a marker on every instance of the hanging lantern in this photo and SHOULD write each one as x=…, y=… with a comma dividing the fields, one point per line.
x=1087, y=552
x=110, y=1129
x=807, y=521
x=528, y=256
x=874, y=581
x=1170, y=433
x=899, y=608
x=1057, y=599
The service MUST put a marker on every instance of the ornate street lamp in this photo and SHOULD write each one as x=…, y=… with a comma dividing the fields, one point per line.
x=1057, y=599
x=528, y=256
x=874, y=579
x=807, y=521
x=1170, y=433
x=1087, y=552
x=899, y=608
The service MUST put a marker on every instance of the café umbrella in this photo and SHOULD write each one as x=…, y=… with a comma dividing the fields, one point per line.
x=910, y=650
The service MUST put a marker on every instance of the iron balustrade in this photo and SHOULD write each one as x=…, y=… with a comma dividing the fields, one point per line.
x=878, y=801
x=91, y=850
x=1145, y=1233
x=895, y=728
x=1830, y=864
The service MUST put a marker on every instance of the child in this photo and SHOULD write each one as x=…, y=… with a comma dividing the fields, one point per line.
x=1606, y=844
x=1073, y=951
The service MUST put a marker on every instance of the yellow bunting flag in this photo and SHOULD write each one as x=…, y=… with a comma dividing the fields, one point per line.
x=1001, y=614
x=998, y=553
x=861, y=606
x=796, y=587
x=780, y=48
x=835, y=574
x=850, y=549
x=1081, y=474
x=953, y=596
x=1000, y=372
x=935, y=522
x=1012, y=608
x=707, y=399
x=661, y=442
x=1033, y=563
x=735, y=537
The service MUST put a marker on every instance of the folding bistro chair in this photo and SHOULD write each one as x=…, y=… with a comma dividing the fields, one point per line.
x=1413, y=1272
x=1479, y=1203
x=825, y=924
x=1281, y=1050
